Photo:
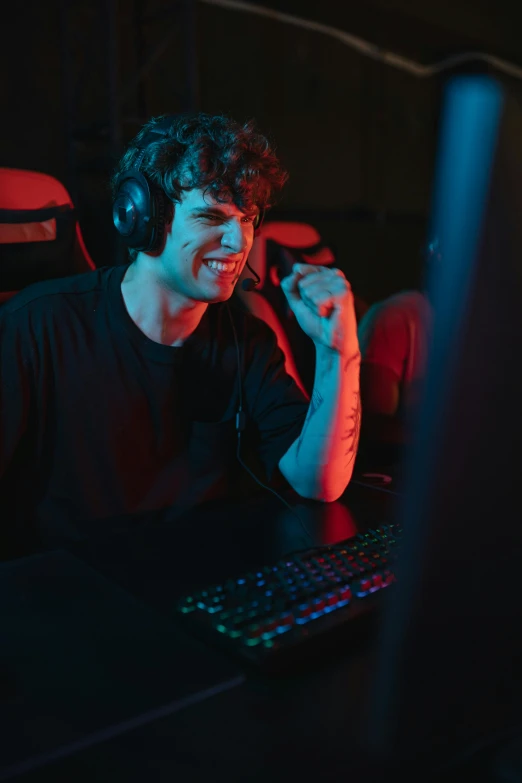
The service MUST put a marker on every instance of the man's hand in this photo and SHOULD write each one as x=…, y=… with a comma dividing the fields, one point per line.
x=322, y=302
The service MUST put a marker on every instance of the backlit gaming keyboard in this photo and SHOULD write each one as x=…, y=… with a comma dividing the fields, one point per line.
x=272, y=616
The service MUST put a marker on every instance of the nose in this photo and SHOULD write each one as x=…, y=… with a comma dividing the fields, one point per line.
x=235, y=236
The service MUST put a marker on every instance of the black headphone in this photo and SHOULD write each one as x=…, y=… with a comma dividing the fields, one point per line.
x=140, y=208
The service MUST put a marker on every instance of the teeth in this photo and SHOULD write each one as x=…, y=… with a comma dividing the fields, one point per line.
x=220, y=266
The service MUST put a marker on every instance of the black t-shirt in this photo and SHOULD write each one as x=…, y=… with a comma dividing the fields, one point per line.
x=98, y=422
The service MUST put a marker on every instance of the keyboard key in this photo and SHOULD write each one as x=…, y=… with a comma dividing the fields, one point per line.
x=331, y=599
x=286, y=619
x=345, y=594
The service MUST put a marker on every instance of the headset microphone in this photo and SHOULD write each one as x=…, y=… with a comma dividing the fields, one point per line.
x=249, y=284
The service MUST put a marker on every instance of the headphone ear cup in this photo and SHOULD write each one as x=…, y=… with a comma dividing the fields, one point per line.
x=132, y=210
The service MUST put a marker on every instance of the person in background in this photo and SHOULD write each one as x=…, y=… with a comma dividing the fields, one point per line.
x=394, y=337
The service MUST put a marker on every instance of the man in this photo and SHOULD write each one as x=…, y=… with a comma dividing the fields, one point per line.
x=120, y=388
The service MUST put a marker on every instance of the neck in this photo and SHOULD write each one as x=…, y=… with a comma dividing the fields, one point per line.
x=163, y=315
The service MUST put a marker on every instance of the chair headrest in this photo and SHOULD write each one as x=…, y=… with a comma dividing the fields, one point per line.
x=35, y=244
x=24, y=189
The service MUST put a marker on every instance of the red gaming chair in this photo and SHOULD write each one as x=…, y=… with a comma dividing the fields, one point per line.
x=40, y=236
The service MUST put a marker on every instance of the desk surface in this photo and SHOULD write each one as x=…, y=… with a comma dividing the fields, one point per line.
x=158, y=560
x=299, y=726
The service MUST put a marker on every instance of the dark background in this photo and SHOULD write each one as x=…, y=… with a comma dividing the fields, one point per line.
x=357, y=134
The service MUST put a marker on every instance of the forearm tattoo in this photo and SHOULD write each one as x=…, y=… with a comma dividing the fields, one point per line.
x=315, y=403
x=352, y=432
x=350, y=360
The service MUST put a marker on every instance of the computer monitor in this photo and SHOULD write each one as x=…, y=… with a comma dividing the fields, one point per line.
x=448, y=676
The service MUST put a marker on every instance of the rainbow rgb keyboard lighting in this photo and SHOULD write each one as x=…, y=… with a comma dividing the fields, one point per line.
x=267, y=616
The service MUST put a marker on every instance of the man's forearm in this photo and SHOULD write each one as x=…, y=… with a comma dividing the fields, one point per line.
x=319, y=464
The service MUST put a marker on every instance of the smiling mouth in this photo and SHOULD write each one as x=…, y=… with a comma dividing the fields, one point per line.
x=226, y=269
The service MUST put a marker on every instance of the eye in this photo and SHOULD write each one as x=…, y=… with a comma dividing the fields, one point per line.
x=213, y=218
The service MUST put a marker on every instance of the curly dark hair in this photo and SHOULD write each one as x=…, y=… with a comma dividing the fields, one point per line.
x=232, y=162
